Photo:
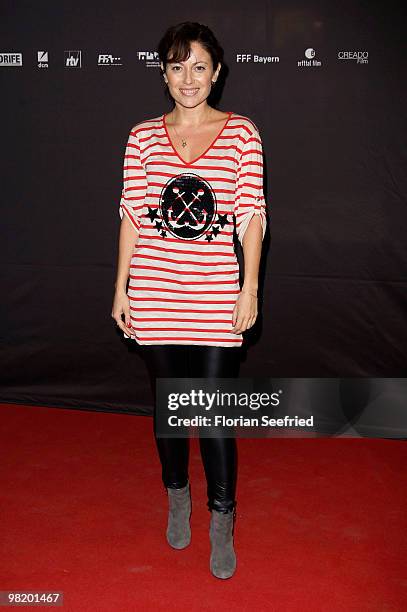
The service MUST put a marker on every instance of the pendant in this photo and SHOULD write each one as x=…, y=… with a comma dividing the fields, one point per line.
x=184, y=144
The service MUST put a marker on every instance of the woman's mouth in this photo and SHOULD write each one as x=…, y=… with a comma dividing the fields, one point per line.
x=189, y=92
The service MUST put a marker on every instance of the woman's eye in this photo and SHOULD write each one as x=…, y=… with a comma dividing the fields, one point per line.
x=177, y=68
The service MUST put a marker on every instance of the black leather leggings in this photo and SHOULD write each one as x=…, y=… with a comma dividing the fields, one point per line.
x=219, y=455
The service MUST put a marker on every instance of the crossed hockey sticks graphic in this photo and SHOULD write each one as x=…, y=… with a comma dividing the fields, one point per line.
x=180, y=195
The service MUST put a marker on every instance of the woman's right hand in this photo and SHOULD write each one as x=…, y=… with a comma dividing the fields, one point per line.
x=121, y=305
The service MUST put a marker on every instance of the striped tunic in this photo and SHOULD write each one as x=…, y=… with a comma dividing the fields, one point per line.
x=184, y=273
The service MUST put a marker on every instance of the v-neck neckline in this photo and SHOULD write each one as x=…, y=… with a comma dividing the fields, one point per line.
x=230, y=113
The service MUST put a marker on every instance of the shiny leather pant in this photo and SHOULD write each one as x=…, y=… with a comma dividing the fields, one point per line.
x=219, y=455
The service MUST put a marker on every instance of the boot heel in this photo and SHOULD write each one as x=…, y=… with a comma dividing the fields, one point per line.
x=223, y=557
x=179, y=511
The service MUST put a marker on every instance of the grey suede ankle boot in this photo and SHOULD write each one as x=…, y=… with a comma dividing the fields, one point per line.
x=223, y=557
x=179, y=511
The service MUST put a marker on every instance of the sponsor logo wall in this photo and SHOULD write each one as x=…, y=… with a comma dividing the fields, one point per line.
x=74, y=58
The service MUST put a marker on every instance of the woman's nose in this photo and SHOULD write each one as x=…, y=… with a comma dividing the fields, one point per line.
x=188, y=77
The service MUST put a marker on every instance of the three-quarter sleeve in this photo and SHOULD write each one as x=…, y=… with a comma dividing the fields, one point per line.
x=134, y=182
x=249, y=196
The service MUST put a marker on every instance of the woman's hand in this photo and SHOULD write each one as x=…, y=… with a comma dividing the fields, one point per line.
x=244, y=313
x=121, y=305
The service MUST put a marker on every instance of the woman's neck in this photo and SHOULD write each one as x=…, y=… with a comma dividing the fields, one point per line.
x=190, y=117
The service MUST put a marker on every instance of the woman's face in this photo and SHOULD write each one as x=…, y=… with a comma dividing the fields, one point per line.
x=189, y=82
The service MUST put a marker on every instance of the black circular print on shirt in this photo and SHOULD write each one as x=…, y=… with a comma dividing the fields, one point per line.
x=187, y=206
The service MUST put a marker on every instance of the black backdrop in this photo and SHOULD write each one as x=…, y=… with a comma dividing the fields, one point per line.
x=333, y=297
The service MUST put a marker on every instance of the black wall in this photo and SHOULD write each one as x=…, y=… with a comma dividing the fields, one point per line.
x=333, y=299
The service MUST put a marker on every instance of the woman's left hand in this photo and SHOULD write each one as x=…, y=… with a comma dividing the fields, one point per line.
x=244, y=313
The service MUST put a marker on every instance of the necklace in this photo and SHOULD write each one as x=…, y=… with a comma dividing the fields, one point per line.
x=183, y=141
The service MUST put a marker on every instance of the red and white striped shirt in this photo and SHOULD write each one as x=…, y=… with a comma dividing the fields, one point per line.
x=184, y=273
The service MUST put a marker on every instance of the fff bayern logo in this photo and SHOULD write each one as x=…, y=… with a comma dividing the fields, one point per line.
x=187, y=206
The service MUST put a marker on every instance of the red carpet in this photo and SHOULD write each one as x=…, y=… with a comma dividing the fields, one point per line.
x=321, y=523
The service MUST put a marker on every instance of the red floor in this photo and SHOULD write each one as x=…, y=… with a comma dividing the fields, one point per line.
x=321, y=523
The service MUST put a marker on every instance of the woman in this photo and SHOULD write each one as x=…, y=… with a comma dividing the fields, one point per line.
x=187, y=175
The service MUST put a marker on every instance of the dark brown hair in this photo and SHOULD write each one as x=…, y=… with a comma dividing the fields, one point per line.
x=175, y=45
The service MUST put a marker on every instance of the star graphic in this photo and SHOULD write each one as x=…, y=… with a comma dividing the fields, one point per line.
x=152, y=213
x=208, y=237
x=222, y=220
x=163, y=233
x=215, y=230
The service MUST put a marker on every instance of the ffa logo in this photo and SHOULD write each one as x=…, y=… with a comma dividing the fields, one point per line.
x=188, y=209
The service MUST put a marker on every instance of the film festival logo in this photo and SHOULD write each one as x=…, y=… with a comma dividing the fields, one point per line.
x=73, y=59
x=360, y=57
x=106, y=59
x=11, y=59
x=245, y=58
x=150, y=58
x=309, y=61
x=42, y=59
